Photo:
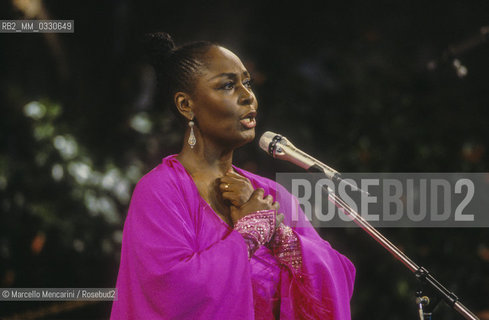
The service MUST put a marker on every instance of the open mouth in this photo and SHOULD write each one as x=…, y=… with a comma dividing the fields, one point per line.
x=249, y=120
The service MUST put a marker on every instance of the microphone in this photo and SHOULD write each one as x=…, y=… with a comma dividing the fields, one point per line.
x=280, y=147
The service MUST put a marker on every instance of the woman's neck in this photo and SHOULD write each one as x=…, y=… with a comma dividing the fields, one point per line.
x=206, y=163
x=205, y=160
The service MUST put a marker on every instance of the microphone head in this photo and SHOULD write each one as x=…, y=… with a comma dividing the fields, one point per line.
x=265, y=141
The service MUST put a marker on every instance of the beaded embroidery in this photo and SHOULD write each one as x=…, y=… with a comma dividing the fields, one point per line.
x=286, y=248
x=257, y=229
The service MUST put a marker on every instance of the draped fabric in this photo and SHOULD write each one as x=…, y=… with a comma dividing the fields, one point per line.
x=179, y=260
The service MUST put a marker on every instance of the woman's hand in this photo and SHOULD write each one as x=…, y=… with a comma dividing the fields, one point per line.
x=238, y=191
x=255, y=203
x=235, y=188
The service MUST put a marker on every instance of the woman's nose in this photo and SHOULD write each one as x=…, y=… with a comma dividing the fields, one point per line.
x=246, y=96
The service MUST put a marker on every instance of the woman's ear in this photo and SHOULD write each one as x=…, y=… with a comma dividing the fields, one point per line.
x=184, y=105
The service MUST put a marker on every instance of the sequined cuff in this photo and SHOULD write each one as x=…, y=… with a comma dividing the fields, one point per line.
x=257, y=229
x=286, y=247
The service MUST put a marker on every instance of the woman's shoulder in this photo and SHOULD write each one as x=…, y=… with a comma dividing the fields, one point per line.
x=166, y=175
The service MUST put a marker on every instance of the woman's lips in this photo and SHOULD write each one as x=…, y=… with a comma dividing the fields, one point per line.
x=249, y=122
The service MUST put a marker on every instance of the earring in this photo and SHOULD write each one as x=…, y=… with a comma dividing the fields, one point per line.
x=191, y=139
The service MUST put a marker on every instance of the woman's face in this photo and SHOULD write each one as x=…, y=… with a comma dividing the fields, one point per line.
x=223, y=103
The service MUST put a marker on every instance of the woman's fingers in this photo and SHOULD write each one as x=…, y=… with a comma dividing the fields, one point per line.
x=227, y=195
x=276, y=206
x=269, y=199
x=239, y=187
x=225, y=187
x=279, y=219
x=256, y=202
x=258, y=194
x=235, y=175
x=231, y=197
x=235, y=178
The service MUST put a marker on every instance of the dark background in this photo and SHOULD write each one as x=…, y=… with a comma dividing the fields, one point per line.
x=345, y=81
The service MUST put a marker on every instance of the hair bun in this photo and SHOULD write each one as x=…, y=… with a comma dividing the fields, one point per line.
x=158, y=46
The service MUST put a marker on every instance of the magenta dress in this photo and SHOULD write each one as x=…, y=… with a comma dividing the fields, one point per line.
x=180, y=260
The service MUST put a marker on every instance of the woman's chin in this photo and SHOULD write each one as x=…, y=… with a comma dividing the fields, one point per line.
x=246, y=137
x=250, y=135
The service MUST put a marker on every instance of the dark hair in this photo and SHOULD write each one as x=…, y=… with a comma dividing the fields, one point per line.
x=176, y=67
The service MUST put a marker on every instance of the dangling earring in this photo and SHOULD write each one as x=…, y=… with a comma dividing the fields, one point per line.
x=191, y=139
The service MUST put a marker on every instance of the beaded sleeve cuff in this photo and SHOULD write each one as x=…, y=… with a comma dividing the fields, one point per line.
x=286, y=248
x=257, y=229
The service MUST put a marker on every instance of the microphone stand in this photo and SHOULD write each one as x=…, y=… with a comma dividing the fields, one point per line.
x=425, y=307
x=280, y=147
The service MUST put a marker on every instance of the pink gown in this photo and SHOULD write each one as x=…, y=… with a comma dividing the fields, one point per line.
x=179, y=260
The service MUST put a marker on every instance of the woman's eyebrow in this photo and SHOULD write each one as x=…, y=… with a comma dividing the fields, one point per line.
x=230, y=75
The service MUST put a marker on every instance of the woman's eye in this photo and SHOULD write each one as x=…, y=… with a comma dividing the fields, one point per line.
x=228, y=86
x=248, y=83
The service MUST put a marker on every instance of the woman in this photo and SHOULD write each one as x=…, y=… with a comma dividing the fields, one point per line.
x=202, y=239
